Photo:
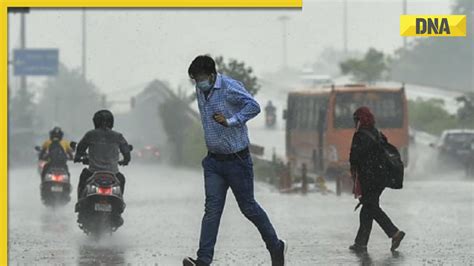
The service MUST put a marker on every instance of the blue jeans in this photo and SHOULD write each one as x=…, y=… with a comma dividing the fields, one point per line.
x=218, y=177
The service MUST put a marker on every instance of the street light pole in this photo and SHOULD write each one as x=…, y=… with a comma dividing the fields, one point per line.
x=84, y=43
x=344, y=26
x=404, y=13
x=284, y=20
x=22, y=46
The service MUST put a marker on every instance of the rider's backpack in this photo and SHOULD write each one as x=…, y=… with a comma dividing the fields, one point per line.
x=392, y=168
x=56, y=153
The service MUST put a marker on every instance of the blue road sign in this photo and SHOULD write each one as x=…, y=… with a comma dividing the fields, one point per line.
x=35, y=62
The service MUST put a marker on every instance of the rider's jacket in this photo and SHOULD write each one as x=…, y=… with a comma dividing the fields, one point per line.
x=103, y=146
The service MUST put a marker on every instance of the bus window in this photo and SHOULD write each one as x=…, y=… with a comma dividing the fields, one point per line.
x=319, y=105
x=386, y=106
x=303, y=111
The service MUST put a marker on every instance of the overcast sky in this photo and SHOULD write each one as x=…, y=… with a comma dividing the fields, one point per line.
x=129, y=47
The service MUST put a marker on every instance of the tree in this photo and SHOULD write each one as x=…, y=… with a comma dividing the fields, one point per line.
x=22, y=134
x=328, y=60
x=430, y=116
x=368, y=69
x=466, y=111
x=181, y=125
x=22, y=110
x=439, y=62
x=239, y=71
x=69, y=101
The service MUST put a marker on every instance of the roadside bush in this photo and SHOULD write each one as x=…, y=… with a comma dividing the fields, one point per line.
x=430, y=116
x=194, y=148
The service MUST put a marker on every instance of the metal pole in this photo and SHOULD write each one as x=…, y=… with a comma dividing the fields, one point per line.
x=304, y=179
x=284, y=19
x=22, y=46
x=404, y=13
x=344, y=25
x=56, y=109
x=84, y=43
x=285, y=51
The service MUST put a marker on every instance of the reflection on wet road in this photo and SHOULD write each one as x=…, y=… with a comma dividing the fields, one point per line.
x=96, y=254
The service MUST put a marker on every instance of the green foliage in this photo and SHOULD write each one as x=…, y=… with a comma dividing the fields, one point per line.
x=239, y=71
x=430, y=116
x=466, y=112
x=327, y=62
x=194, y=148
x=21, y=127
x=439, y=62
x=176, y=122
x=22, y=110
x=368, y=69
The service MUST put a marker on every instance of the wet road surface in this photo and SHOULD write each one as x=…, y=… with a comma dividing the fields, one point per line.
x=165, y=206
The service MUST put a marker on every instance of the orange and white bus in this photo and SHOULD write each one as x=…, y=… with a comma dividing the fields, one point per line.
x=319, y=124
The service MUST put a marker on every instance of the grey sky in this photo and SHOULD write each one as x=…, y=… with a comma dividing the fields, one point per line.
x=128, y=47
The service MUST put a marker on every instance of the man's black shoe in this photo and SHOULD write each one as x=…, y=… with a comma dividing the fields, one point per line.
x=279, y=256
x=358, y=248
x=192, y=262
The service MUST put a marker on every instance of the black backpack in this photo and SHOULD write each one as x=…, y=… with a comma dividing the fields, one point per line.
x=56, y=153
x=392, y=168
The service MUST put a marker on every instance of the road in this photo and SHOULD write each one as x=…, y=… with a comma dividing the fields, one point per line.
x=165, y=205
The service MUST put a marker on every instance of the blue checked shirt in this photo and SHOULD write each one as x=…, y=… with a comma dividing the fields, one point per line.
x=230, y=98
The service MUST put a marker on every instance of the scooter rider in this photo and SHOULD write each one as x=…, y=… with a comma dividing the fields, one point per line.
x=55, y=151
x=270, y=109
x=103, y=145
x=270, y=114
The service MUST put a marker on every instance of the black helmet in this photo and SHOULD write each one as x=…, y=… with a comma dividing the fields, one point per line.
x=103, y=119
x=56, y=133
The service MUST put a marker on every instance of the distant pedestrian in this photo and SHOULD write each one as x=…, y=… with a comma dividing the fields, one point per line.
x=365, y=163
x=225, y=107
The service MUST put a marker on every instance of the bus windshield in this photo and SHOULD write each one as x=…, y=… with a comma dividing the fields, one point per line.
x=387, y=108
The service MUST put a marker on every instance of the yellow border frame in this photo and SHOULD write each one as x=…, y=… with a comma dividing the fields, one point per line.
x=4, y=4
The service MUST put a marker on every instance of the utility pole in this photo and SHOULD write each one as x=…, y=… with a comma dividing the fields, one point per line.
x=22, y=116
x=344, y=26
x=25, y=116
x=284, y=20
x=404, y=13
x=84, y=43
x=56, y=109
x=22, y=46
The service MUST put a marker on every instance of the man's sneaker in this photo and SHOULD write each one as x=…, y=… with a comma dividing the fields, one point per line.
x=358, y=248
x=188, y=261
x=279, y=256
x=397, y=239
